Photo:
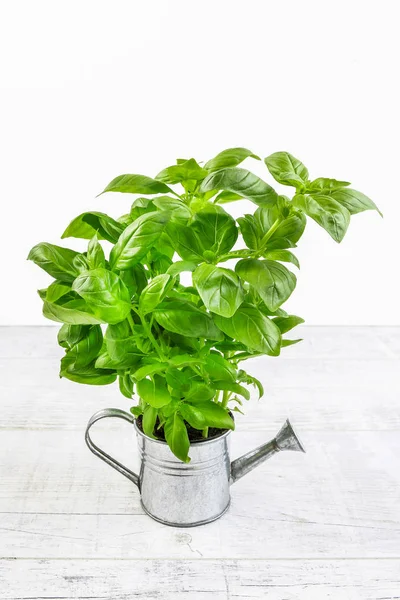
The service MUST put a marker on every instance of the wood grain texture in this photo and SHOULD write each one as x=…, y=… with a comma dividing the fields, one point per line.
x=324, y=525
x=186, y=580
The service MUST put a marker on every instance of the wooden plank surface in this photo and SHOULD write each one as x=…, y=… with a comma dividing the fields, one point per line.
x=167, y=580
x=323, y=525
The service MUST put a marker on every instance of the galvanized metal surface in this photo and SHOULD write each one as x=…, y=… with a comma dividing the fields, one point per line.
x=188, y=494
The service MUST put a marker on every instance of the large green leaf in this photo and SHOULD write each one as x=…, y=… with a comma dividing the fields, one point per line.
x=186, y=319
x=249, y=326
x=105, y=293
x=57, y=290
x=282, y=256
x=219, y=368
x=136, y=184
x=220, y=289
x=285, y=324
x=325, y=185
x=287, y=233
x=287, y=169
x=137, y=239
x=211, y=230
x=154, y=391
x=242, y=182
x=178, y=209
x=184, y=171
x=85, y=350
x=74, y=312
x=272, y=281
x=154, y=293
x=95, y=254
x=229, y=158
x=55, y=260
x=325, y=211
x=213, y=415
x=121, y=345
x=177, y=437
x=354, y=201
x=89, y=223
x=89, y=375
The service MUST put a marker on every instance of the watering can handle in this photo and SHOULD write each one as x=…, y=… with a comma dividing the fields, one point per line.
x=102, y=414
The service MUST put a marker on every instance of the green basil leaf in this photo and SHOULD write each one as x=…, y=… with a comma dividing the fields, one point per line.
x=285, y=324
x=137, y=239
x=354, y=201
x=218, y=368
x=232, y=387
x=177, y=379
x=184, y=171
x=286, y=343
x=178, y=209
x=154, y=293
x=136, y=184
x=89, y=375
x=220, y=289
x=288, y=232
x=56, y=261
x=272, y=281
x=226, y=197
x=212, y=229
x=141, y=206
x=186, y=319
x=183, y=360
x=69, y=335
x=135, y=279
x=215, y=416
x=57, y=290
x=125, y=384
x=74, y=312
x=106, y=294
x=95, y=254
x=251, y=380
x=85, y=350
x=286, y=169
x=149, y=420
x=122, y=345
x=192, y=415
x=282, y=256
x=154, y=391
x=89, y=223
x=325, y=211
x=177, y=437
x=250, y=231
x=249, y=326
x=242, y=182
x=180, y=266
x=199, y=392
x=229, y=158
x=324, y=185
x=150, y=369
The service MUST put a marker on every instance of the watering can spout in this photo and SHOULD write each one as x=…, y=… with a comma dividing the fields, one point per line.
x=286, y=439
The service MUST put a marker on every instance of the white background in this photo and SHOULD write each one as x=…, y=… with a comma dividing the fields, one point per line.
x=92, y=89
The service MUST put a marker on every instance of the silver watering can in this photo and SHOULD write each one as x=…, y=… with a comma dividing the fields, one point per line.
x=189, y=494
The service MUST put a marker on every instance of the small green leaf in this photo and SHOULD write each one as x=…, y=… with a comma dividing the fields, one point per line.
x=219, y=288
x=154, y=293
x=125, y=384
x=286, y=343
x=325, y=211
x=324, y=185
x=136, y=184
x=149, y=420
x=249, y=326
x=287, y=169
x=232, y=387
x=218, y=368
x=272, y=281
x=184, y=171
x=89, y=375
x=55, y=260
x=74, y=312
x=178, y=209
x=86, y=225
x=150, y=369
x=154, y=391
x=177, y=437
x=215, y=416
x=193, y=415
x=285, y=324
x=199, y=392
x=186, y=319
x=137, y=239
x=229, y=158
x=282, y=256
x=57, y=290
x=105, y=293
x=180, y=266
x=95, y=254
x=354, y=201
x=242, y=182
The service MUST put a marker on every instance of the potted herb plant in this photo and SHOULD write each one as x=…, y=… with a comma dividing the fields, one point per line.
x=179, y=349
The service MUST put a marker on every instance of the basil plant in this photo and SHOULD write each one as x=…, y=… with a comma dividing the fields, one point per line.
x=178, y=349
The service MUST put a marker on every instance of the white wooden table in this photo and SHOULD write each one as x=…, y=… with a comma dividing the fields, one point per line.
x=325, y=525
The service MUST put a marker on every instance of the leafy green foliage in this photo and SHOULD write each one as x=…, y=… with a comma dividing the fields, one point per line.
x=162, y=313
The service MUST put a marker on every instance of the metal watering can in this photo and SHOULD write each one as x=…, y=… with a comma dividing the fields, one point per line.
x=189, y=494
